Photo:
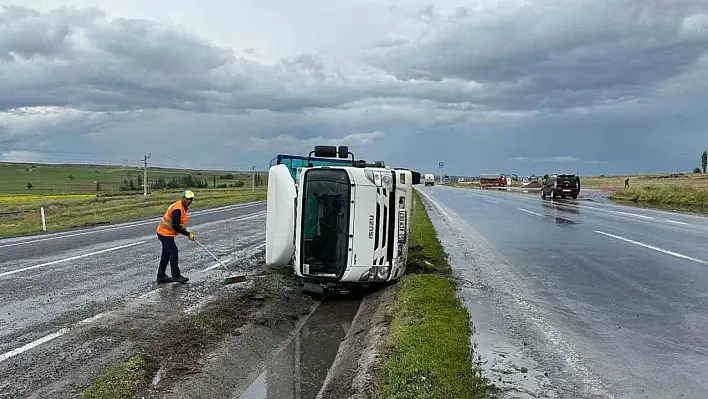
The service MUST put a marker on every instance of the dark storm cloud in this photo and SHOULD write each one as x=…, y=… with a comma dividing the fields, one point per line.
x=79, y=58
x=555, y=54
x=546, y=82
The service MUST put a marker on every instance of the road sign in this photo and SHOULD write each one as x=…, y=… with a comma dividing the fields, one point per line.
x=441, y=164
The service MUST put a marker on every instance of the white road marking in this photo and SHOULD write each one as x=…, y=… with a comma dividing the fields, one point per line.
x=531, y=212
x=493, y=202
x=69, y=259
x=632, y=214
x=149, y=294
x=215, y=265
x=48, y=338
x=125, y=226
x=93, y=318
x=678, y=255
x=33, y=344
x=676, y=222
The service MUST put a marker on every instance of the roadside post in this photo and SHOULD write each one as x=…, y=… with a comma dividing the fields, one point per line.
x=44, y=222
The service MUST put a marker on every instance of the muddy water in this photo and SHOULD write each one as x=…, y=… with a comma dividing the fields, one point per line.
x=299, y=370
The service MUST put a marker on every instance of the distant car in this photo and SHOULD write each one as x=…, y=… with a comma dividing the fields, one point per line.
x=561, y=185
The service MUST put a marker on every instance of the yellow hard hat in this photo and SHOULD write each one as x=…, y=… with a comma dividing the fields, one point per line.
x=187, y=194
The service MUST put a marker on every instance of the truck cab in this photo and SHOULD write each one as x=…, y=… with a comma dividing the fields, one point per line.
x=340, y=225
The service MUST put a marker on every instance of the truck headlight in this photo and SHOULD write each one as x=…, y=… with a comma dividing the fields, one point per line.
x=374, y=177
x=367, y=275
x=382, y=272
x=387, y=181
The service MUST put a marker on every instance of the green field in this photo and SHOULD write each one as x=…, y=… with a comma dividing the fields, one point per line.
x=21, y=216
x=70, y=198
x=99, y=179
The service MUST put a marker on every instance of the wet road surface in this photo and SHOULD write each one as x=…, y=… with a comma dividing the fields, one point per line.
x=52, y=282
x=580, y=299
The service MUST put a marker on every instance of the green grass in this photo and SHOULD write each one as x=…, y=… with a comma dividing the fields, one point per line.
x=122, y=381
x=67, y=179
x=663, y=195
x=22, y=215
x=428, y=353
x=425, y=252
x=684, y=180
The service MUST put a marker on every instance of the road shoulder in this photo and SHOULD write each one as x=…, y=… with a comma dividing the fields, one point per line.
x=411, y=339
x=156, y=350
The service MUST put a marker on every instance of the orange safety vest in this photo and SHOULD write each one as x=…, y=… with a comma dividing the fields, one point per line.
x=164, y=228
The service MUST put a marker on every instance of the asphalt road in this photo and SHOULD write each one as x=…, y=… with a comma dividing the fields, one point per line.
x=55, y=281
x=580, y=299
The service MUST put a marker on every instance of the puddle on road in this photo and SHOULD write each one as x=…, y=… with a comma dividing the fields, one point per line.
x=299, y=370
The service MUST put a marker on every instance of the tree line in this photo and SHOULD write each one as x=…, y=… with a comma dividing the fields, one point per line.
x=181, y=182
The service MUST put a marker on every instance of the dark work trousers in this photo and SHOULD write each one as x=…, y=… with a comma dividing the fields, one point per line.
x=169, y=254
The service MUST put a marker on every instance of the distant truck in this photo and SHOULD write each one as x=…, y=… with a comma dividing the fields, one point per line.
x=340, y=226
x=429, y=179
x=495, y=180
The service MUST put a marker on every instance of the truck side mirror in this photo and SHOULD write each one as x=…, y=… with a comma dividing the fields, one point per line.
x=343, y=151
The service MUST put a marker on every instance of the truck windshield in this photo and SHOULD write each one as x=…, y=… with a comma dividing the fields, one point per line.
x=325, y=225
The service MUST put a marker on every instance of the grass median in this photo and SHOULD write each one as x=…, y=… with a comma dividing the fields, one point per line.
x=428, y=352
x=21, y=215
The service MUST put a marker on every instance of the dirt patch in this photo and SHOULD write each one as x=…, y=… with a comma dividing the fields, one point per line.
x=236, y=361
x=188, y=349
x=355, y=371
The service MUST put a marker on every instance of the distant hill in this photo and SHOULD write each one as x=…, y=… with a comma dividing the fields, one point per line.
x=82, y=179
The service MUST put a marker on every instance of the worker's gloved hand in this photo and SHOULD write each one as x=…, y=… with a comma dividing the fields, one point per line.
x=191, y=236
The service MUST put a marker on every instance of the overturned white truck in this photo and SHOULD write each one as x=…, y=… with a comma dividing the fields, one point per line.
x=339, y=225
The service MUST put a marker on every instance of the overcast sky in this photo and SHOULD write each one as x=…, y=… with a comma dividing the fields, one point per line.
x=535, y=86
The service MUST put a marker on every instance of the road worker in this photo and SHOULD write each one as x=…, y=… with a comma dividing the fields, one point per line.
x=173, y=223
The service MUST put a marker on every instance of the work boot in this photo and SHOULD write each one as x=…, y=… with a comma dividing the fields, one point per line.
x=180, y=279
x=164, y=279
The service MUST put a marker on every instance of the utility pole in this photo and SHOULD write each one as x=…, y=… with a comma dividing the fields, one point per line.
x=145, y=174
x=253, y=177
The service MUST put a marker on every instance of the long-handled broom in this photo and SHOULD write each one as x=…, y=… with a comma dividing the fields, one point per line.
x=227, y=280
